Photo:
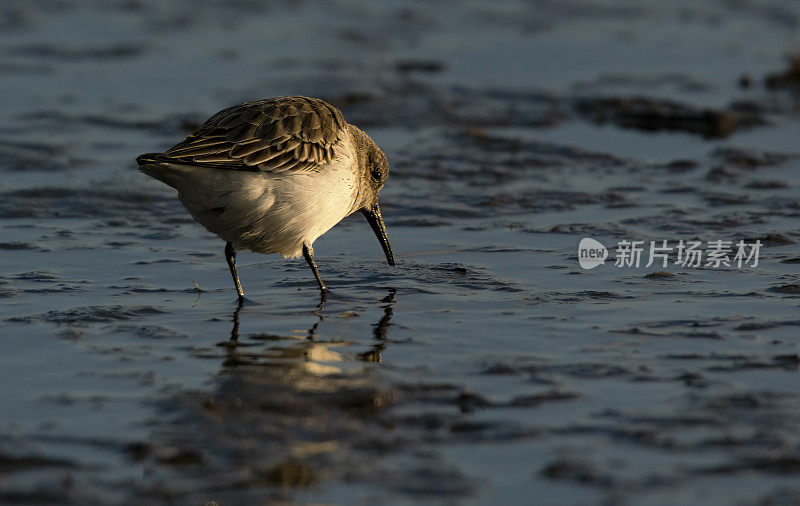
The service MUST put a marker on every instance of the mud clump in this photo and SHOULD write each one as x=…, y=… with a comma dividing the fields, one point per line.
x=425, y=66
x=788, y=78
x=62, y=53
x=17, y=245
x=750, y=158
x=651, y=114
x=790, y=289
x=29, y=156
x=767, y=185
x=92, y=314
x=577, y=472
x=659, y=274
x=13, y=463
x=529, y=401
x=772, y=240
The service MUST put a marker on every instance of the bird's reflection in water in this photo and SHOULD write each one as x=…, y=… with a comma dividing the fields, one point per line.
x=379, y=330
x=287, y=411
x=313, y=351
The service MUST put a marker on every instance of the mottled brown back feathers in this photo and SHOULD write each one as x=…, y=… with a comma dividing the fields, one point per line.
x=275, y=134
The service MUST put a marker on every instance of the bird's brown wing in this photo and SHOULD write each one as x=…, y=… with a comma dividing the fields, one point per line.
x=275, y=135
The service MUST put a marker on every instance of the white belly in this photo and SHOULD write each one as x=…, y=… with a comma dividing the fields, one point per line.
x=305, y=207
x=270, y=213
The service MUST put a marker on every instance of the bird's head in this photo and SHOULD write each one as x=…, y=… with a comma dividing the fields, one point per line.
x=374, y=171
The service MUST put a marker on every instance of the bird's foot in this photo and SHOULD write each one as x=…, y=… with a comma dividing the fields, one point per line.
x=244, y=301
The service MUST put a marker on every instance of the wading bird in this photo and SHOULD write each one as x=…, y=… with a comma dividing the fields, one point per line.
x=273, y=175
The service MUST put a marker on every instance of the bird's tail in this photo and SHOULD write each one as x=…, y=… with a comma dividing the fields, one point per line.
x=153, y=165
x=148, y=158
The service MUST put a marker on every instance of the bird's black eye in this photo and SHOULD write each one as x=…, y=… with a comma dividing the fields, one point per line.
x=375, y=173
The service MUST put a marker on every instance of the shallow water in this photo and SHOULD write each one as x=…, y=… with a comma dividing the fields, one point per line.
x=486, y=367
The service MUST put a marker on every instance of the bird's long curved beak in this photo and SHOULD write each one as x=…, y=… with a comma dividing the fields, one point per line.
x=376, y=222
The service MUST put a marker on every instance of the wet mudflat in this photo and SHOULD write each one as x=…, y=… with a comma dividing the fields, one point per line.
x=486, y=367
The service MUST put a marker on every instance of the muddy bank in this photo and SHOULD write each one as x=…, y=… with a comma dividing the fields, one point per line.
x=488, y=365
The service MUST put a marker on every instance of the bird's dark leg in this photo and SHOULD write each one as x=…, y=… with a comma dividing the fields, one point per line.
x=308, y=254
x=230, y=256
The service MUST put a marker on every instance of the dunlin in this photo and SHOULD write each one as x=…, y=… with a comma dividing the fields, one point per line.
x=273, y=175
